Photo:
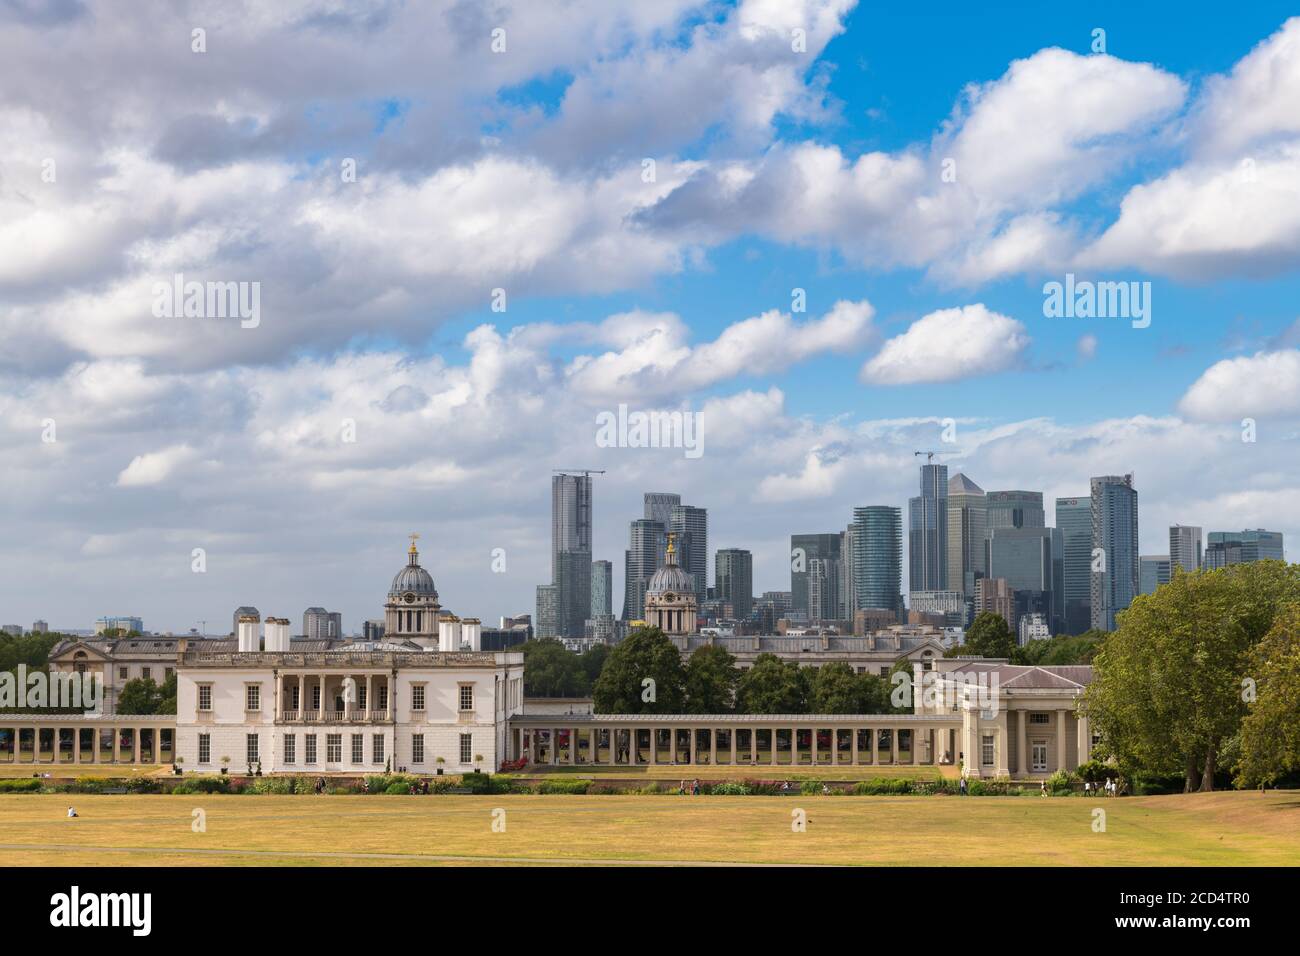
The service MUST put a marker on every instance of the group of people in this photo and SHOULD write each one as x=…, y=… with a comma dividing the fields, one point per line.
x=689, y=786
x=1110, y=787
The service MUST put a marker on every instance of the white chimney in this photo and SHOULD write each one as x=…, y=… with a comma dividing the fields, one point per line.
x=250, y=638
x=472, y=633
x=277, y=634
x=449, y=634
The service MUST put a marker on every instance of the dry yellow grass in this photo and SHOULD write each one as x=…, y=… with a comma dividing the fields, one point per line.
x=1202, y=829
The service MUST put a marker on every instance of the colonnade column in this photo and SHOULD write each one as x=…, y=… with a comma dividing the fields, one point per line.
x=772, y=734
x=1060, y=740
x=875, y=746
x=732, y=735
x=854, y=733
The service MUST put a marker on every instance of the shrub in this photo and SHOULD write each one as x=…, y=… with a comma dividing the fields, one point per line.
x=1059, y=784
x=729, y=789
x=275, y=785
x=21, y=785
x=884, y=787
x=484, y=783
x=397, y=789
x=564, y=786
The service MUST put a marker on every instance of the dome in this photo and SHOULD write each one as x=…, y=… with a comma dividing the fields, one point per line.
x=413, y=579
x=671, y=578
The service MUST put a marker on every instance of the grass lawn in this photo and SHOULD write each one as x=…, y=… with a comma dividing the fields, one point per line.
x=1210, y=829
x=70, y=771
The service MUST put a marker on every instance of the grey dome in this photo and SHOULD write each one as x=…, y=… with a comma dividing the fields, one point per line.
x=670, y=578
x=413, y=579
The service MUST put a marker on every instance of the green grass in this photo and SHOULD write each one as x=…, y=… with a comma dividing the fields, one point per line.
x=1198, y=829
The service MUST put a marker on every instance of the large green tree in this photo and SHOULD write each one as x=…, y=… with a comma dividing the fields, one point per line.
x=593, y=661
x=1270, y=732
x=772, y=686
x=988, y=636
x=142, y=695
x=645, y=655
x=837, y=689
x=552, y=670
x=711, y=679
x=1167, y=693
x=1061, y=649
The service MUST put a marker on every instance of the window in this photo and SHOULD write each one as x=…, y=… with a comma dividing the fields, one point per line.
x=361, y=696
x=250, y=748
x=144, y=672
x=377, y=748
x=252, y=697
x=315, y=696
x=383, y=698
x=417, y=697
x=884, y=672
x=290, y=748
x=358, y=748
x=333, y=748
x=311, y=748
x=121, y=673
x=1040, y=718
x=417, y=748
x=205, y=697
x=205, y=748
x=168, y=672
x=293, y=697
x=466, y=748
x=986, y=752
x=466, y=697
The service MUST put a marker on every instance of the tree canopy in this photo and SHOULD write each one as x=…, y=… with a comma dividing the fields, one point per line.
x=988, y=636
x=646, y=654
x=711, y=679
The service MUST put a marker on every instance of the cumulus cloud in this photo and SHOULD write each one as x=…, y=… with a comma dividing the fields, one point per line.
x=155, y=467
x=1265, y=384
x=948, y=345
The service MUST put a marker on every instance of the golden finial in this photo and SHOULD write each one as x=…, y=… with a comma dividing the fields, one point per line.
x=671, y=548
x=413, y=536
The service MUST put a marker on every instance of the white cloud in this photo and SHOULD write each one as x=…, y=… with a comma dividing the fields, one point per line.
x=1261, y=385
x=948, y=345
x=155, y=467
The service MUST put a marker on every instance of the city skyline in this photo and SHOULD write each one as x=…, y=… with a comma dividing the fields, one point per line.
x=513, y=259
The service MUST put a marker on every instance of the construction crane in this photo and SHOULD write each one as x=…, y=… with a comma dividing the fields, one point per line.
x=580, y=471
x=929, y=455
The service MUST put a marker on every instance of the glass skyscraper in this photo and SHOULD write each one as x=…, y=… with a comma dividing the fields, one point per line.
x=691, y=526
x=878, y=557
x=571, y=552
x=644, y=556
x=1115, y=579
x=967, y=520
x=1239, y=547
x=602, y=588
x=1074, y=528
x=804, y=549
x=734, y=576
x=1185, y=548
x=927, y=528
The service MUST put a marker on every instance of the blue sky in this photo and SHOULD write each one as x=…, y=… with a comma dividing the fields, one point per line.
x=1173, y=157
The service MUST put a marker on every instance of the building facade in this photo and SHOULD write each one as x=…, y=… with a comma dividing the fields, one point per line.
x=733, y=572
x=878, y=558
x=1185, y=548
x=927, y=531
x=967, y=521
x=1115, y=569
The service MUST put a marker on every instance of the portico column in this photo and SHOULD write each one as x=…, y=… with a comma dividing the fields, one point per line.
x=76, y=745
x=733, y=745
x=753, y=746
x=1060, y=740
x=1084, y=741
x=654, y=745
x=854, y=733
x=672, y=745
x=1022, y=754
x=875, y=746
x=835, y=746
x=713, y=746
x=117, y=744
x=613, y=748
x=555, y=740
x=893, y=746
x=321, y=677
x=812, y=741
x=772, y=736
x=573, y=746
x=370, y=699
x=693, y=742
x=632, y=736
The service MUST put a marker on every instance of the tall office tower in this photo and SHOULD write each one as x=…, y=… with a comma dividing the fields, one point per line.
x=927, y=532
x=824, y=602
x=659, y=506
x=734, y=574
x=967, y=520
x=878, y=558
x=642, y=559
x=848, y=594
x=1014, y=509
x=994, y=596
x=548, y=610
x=42, y=627
x=1115, y=543
x=805, y=548
x=602, y=589
x=691, y=527
x=571, y=511
x=245, y=611
x=1153, y=571
x=1185, y=547
x=319, y=624
x=1241, y=547
x=1074, y=526
x=1023, y=558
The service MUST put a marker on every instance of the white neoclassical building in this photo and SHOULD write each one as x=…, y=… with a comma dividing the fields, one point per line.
x=424, y=699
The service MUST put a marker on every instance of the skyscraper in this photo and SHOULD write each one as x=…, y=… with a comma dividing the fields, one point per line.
x=878, y=557
x=805, y=548
x=927, y=527
x=1074, y=527
x=602, y=588
x=1014, y=509
x=548, y=610
x=690, y=525
x=734, y=574
x=571, y=515
x=642, y=559
x=1240, y=547
x=1185, y=547
x=659, y=506
x=319, y=624
x=824, y=602
x=1114, y=580
x=967, y=520
x=1023, y=558
x=1153, y=571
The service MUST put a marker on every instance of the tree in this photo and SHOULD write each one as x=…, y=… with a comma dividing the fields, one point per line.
x=1167, y=690
x=711, y=679
x=1061, y=649
x=1270, y=734
x=837, y=690
x=772, y=686
x=167, y=695
x=552, y=670
x=988, y=636
x=644, y=655
x=142, y=695
x=593, y=661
